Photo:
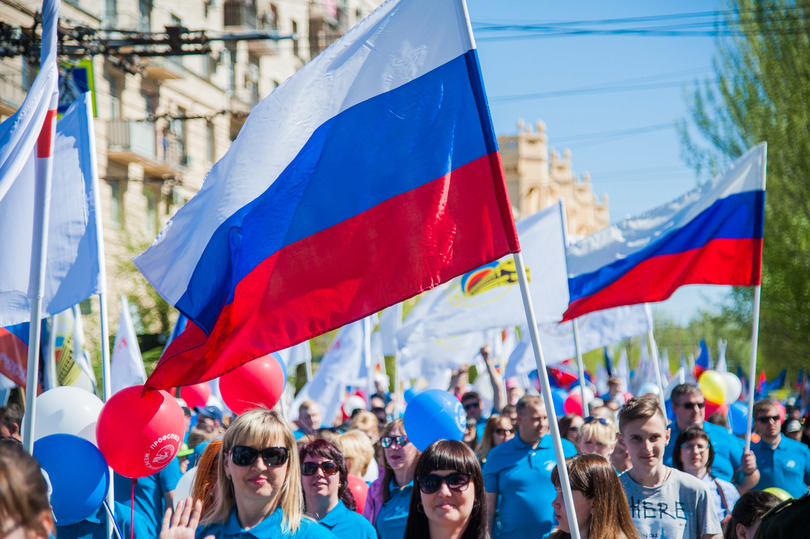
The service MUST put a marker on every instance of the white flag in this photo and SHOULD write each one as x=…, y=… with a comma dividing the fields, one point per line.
x=596, y=330
x=295, y=355
x=721, y=356
x=126, y=365
x=489, y=297
x=73, y=267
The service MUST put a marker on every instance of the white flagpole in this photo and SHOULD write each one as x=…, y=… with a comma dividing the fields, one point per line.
x=655, y=360
x=43, y=166
x=369, y=363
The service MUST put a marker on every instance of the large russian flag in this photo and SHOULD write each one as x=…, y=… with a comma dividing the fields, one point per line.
x=14, y=353
x=711, y=235
x=368, y=177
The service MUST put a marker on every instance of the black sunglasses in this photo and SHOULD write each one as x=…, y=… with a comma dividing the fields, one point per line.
x=310, y=468
x=600, y=420
x=471, y=405
x=401, y=441
x=691, y=405
x=503, y=432
x=431, y=483
x=768, y=418
x=243, y=455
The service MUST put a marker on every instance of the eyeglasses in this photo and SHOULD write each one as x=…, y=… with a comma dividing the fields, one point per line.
x=691, y=405
x=503, y=432
x=431, y=483
x=310, y=468
x=387, y=441
x=242, y=455
x=600, y=420
x=768, y=418
x=471, y=405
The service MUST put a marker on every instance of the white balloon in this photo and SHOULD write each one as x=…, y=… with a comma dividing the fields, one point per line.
x=89, y=433
x=65, y=410
x=649, y=387
x=733, y=387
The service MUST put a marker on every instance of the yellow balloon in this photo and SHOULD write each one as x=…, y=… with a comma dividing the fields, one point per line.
x=779, y=493
x=713, y=386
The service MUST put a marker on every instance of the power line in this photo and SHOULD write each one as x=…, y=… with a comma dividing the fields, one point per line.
x=589, y=90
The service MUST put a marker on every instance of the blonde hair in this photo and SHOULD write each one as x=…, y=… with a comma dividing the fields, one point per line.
x=357, y=446
x=487, y=441
x=368, y=423
x=258, y=428
x=603, y=434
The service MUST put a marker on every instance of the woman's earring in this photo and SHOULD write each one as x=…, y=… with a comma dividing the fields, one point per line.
x=420, y=508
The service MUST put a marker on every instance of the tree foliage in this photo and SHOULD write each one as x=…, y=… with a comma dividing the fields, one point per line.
x=762, y=93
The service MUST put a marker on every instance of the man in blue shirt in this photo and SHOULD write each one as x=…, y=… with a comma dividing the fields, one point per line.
x=689, y=406
x=783, y=463
x=153, y=494
x=517, y=476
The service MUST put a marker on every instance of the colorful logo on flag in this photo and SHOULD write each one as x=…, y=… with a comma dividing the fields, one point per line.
x=485, y=284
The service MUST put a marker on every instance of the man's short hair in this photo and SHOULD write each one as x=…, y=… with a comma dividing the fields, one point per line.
x=763, y=406
x=307, y=405
x=471, y=395
x=615, y=381
x=684, y=390
x=640, y=408
x=10, y=415
x=535, y=401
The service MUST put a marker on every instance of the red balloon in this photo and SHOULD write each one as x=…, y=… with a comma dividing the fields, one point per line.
x=256, y=384
x=195, y=395
x=359, y=490
x=712, y=407
x=573, y=404
x=139, y=432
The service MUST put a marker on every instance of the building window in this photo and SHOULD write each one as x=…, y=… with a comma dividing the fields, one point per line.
x=116, y=89
x=145, y=15
x=152, y=214
x=116, y=204
x=295, y=37
x=210, y=142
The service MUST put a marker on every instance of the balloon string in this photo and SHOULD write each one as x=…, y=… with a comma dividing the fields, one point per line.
x=115, y=523
x=132, y=511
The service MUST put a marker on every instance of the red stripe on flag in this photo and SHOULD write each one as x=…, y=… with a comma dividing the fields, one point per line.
x=723, y=262
x=399, y=248
x=45, y=140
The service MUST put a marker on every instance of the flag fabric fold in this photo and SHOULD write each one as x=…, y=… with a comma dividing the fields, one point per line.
x=711, y=235
x=369, y=176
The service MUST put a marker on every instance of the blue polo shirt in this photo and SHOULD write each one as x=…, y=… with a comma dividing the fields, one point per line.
x=95, y=526
x=149, y=491
x=786, y=467
x=269, y=528
x=393, y=514
x=521, y=476
x=728, y=449
x=345, y=523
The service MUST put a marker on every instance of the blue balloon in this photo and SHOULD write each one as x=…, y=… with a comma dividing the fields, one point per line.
x=670, y=410
x=558, y=397
x=280, y=362
x=409, y=394
x=738, y=417
x=434, y=415
x=78, y=474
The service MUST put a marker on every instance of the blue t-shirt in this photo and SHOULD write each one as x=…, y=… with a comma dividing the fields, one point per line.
x=393, y=514
x=149, y=491
x=521, y=476
x=786, y=467
x=269, y=528
x=728, y=449
x=345, y=523
x=95, y=526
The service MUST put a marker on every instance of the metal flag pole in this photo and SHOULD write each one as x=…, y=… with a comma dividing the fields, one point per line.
x=580, y=367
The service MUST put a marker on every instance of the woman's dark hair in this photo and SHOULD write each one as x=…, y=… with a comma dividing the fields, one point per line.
x=751, y=506
x=565, y=423
x=326, y=450
x=448, y=455
x=388, y=472
x=695, y=432
x=590, y=474
x=23, y=489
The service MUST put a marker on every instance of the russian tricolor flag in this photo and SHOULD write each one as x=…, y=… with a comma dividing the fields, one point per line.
x=14, y=352
x=368, y=177
x=711, y=235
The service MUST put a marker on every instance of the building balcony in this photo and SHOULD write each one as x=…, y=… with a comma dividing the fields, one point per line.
x=163, y=69
x=137, y=142
x=240, y=14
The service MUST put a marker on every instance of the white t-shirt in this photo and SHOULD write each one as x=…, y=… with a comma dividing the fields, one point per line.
x=679, y=508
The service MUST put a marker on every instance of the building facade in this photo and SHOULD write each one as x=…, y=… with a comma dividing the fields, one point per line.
x=537, y=177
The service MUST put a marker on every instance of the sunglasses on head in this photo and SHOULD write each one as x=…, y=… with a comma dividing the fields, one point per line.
x=310, y=468
x=600, y=420
x=243, y=455
x=431, y=483
x=768, y=418
x=387, y=441
x=691, y=405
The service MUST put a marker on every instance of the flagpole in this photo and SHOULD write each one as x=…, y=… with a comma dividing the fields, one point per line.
x=51, y=380
x=752, y=367
x=542, y=375
x=580, y=367
x=43, y=166
x=656, y=361
x=369, y=366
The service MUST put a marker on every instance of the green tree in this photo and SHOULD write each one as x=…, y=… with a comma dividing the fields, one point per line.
x=762, y=93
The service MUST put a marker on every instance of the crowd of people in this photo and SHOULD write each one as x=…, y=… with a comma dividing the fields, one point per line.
x=632, y=474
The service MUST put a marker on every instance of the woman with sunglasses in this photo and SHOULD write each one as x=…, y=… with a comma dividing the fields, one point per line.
x=450, y=501
x=389, y=496
x=599, y=501
x=258, y=487
x=694, y=454
x=598, y=435
x=497, y=430
x=327, y=497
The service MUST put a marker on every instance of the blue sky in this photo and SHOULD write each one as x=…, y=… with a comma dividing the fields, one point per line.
x=626, y=139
